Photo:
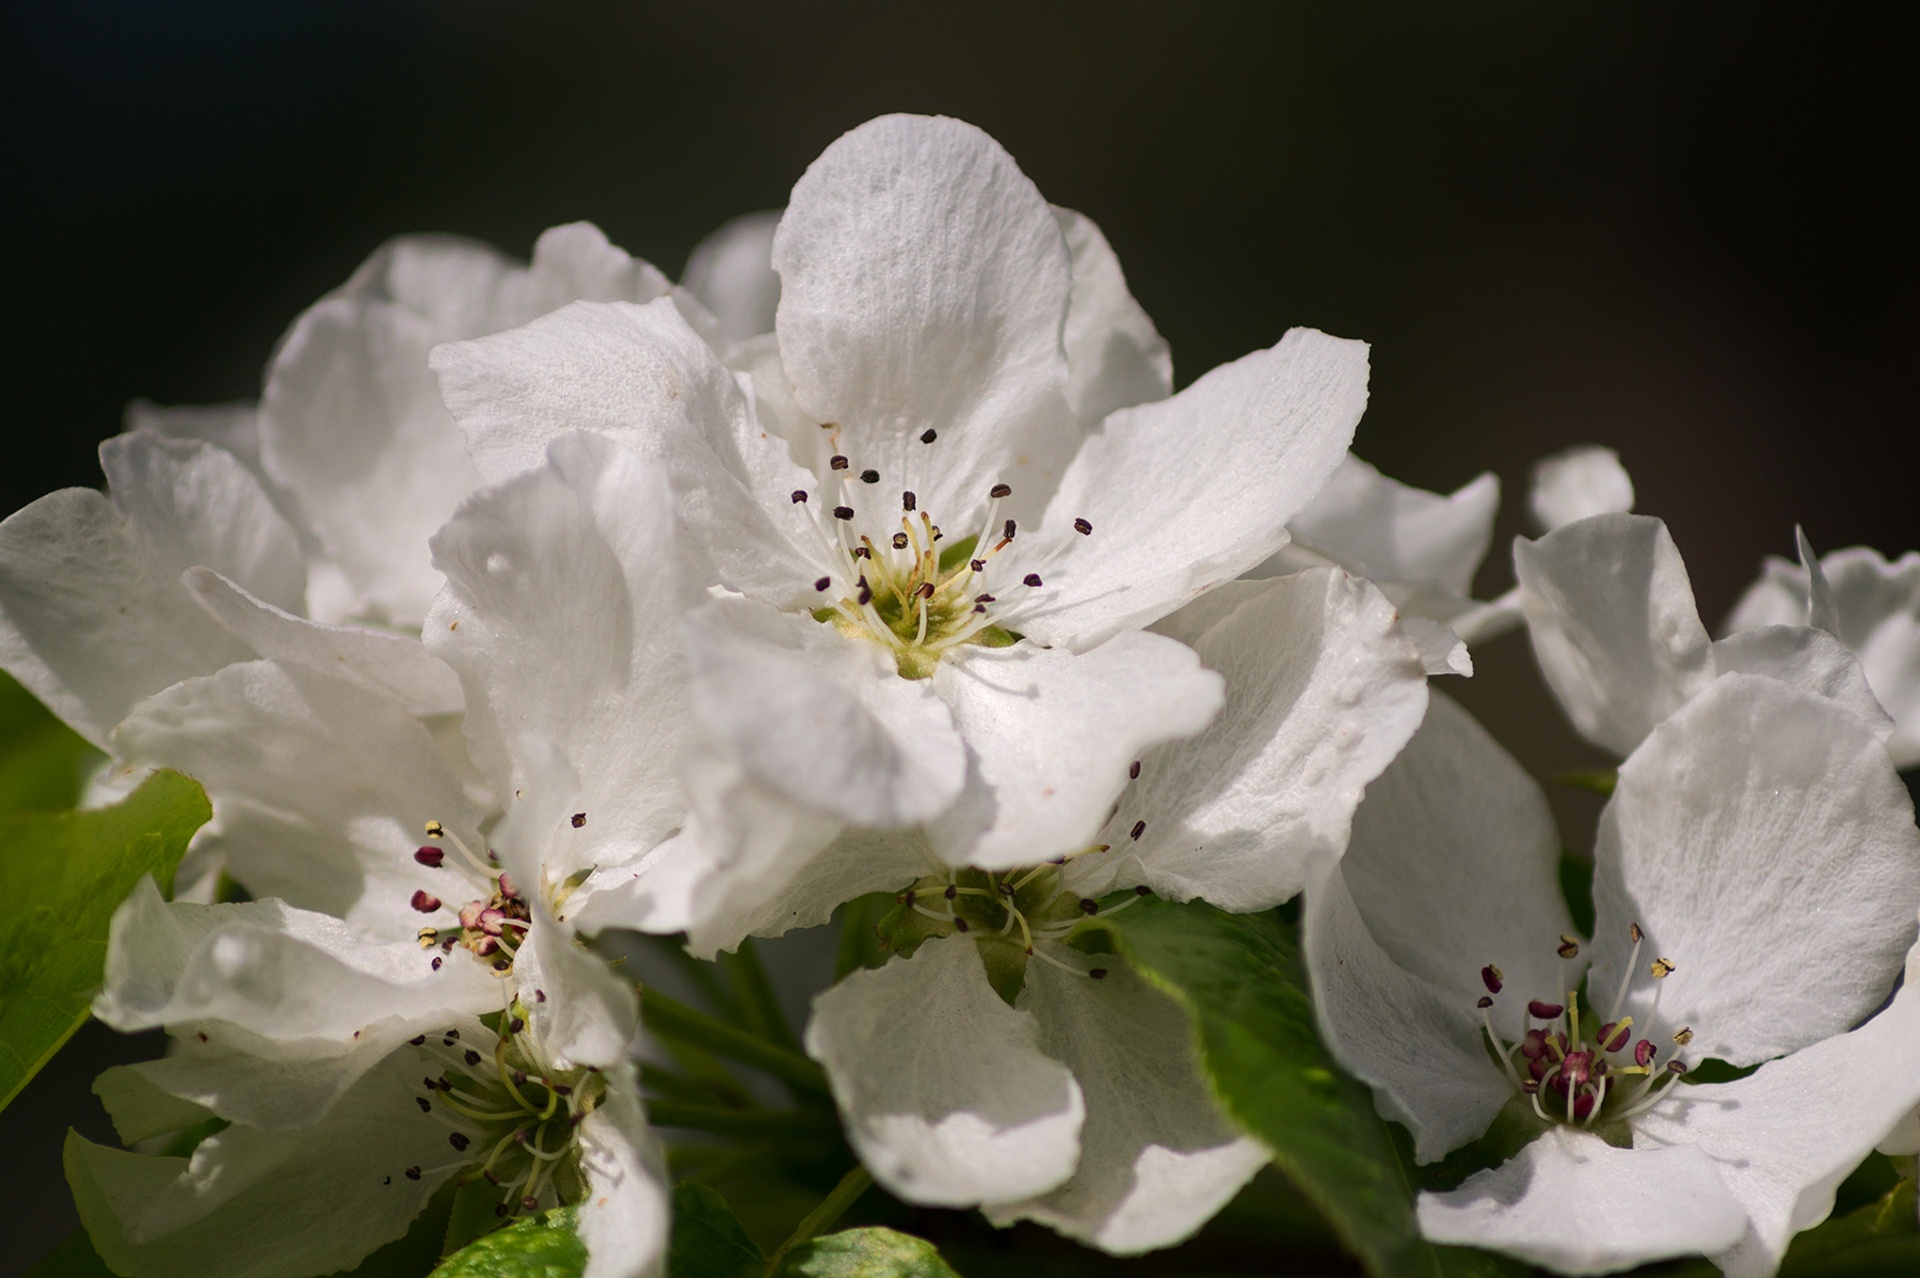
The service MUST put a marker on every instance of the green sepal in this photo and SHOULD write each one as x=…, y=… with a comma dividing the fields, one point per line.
x=543, y=1246
x=1600, y=781
x=472, y=1216
x=1240, y=978
x=708, y=1240
x=43, y=762
x=953, y=554
x=997, y=637
x=865, y=1253
x=63, y=875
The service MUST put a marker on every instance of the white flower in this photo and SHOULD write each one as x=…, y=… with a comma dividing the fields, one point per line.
x=1870, y=605
x=926, y=467
x=1578, y=483
x=999, y=1066
x=1757, y=877
x=355, y=1077
x=1620, y=642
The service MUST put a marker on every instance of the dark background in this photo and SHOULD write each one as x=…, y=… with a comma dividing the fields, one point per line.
x=1675, y=232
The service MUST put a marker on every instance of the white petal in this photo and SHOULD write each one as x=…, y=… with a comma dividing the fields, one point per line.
x=1442, y=652
x=1764, y=843
x=824, y=719
x=1414, y=1042
x=1786, y=1136
x=1580, y=482
x=332, y=1192
x=1805, y=658
x=1115, y=356
x=1454, y=864
x=233, y=428
x=1574, y=1203
x=1877, y=608
x=1614, y=628
x=451, y=282
x=1821, y=613
x=396, y=666
x=1385, y=530
x=1157, y=1159
x=1323, y=691
x=625, y=1216
x=945, y=1095
x=731, y=272
x=322, y=788
x=1192, y=491
x=351, y=422
x=140, y=1109
x=1051, y=735
x=924, y=284
x=565, y=590
x=642, y=375
x=1778, y=597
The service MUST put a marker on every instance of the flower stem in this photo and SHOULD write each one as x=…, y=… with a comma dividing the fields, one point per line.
x=851, y=1186
x=670, y=1019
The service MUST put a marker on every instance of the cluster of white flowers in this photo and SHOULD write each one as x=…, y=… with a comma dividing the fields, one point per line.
x=531, y=602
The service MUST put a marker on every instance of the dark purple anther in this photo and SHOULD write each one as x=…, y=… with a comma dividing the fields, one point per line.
x=1492, y=978
x=1643, y=1053
x=1619, y=1041
x=1544, y=1011
x=425, y=903
x=429, y=856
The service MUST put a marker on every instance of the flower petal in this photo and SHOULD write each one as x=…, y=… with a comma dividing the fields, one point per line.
x=1765, y=845
x=1194, y=490
x=945, y=1095
x=642, y=375
x=1805, y=658
x=924, y=284
x=823, y=719
x=1787, y=1135
x=333, y=1191
x=321, y=789
x=395, y=666
x=731, y=272
x=565, y=589
x=1115, y=356
x=1384, y=530
x=1581, y=482
x=1575, y=1204
x=1157, y=1159
x=624, y=1218
x=1051, y=734
x=1614, y=628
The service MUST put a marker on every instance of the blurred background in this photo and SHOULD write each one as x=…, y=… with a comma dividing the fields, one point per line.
x=1674, y=232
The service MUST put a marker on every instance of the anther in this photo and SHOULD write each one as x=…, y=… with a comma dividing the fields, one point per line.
x=978, y=565
x=908, y=501
x=960, y=925
x=515, y=1025
x=869, y=476
x=924, y=590
x=1031, y=579
x=1569, y=948
x=908, y=897
x=1542, y=1011
x=1000, y=490
x=928, y=435
x=428, y=937
x=539, y=996
x=458, y=1140
x=430, y=856
x=900, y=541
x=865, y=596
x=435, y=830
x=1133, y=770
x=984, y=599
x=862, y=552
x=953, y=890
x=413, y=1173
x=1634, y=933
x=1684, y=1037
x=1142, y=889
x=471, y=1057
x=1008, y=529
x=452, y=1034
x=843, y=512
x=1493, y=978
x=799, y=496
x=426, y=1106
x=1676, y=1067
x=425, y=902
x=561, y=1089
x=1662, y=969
x=529, y=1203
x=823, y=583
x=1089, y=906
x=579, y=819
x=1082, y=527
x=1097, y=973
x=436, y=962
x=1139, y=828
x=838, y=462
x=1485, y=1001
x=1619, y=1040
x=418, y=1040
x=1643, y=1052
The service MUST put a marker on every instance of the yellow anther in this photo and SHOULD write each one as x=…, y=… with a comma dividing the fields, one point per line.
x=1684, y=1037
x=1661, y=969
x=435, y=830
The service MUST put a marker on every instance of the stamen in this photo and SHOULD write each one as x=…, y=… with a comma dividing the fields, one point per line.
x=1569, y=947
x=1662, y=969
x=843, y=512
x=1493, y=978
x=869, y=476
x=424, y=902
x=928, y=435
x=1133, y=770
x=430, y=856
x=908, y=501
x=822, y=583
x=1082, y=527
x=838, y=462
x=799, y=496
x=1000, y=490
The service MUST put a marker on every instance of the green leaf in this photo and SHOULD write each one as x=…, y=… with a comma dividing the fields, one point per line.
x=1882, y=1237
x=63, y=874
x=866, y=1253
x=1239, y=976
x=42, y=761
x=543, y=1246
x=708, y=1241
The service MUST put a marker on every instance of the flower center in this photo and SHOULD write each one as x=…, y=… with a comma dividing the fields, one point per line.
x=493, y=924
x=515, y=1119
x=904, y=585
x=1010, y=915
x=1579, y=1069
